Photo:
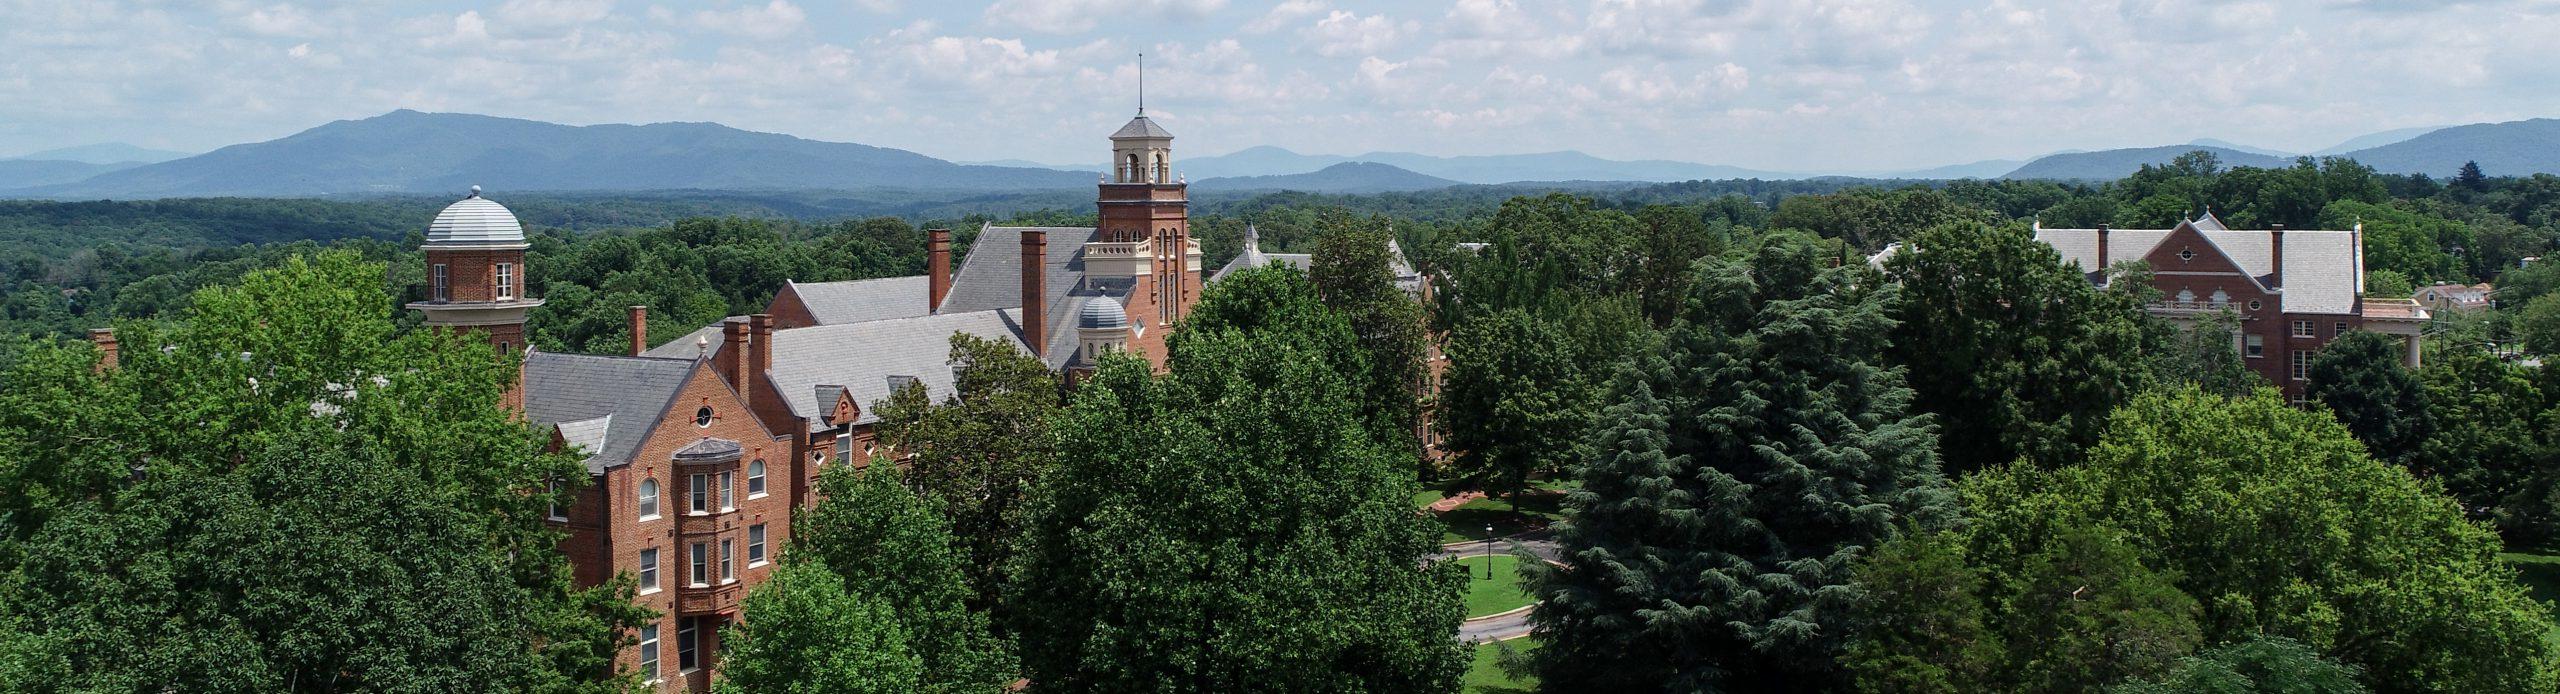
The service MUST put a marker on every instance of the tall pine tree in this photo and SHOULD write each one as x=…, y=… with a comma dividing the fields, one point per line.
x=1748, y=465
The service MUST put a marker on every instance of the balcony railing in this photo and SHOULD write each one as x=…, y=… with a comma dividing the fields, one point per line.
x=2191, y=306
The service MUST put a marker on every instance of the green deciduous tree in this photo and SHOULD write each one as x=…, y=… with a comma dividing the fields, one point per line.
x=1516, y=400
x=975, y=454
x=1745, y=468
x=2361, y=379
x=2492, y=445
x=1352, y=269
x=802, y=632
x=887, y=545
x=278, y=492
x=2538, y=325
x=1230, y=526
x=2018, y=354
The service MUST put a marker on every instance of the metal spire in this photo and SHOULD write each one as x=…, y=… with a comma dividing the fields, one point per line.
x=1142, y=83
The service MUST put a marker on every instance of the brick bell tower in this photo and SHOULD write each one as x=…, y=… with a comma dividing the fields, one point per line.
x=475, y=273
x=1146, y=209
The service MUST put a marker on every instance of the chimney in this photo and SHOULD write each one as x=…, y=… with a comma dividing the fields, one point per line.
x=2275, y=257
x=937, y=267
x=105, y=340
x=732, y=361
x=1035, y=266
x=639, y=330
x=2102, y=249
x=759, y=351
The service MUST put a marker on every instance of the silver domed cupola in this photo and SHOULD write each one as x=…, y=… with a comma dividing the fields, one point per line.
x=1102, y=325
x=475, y=222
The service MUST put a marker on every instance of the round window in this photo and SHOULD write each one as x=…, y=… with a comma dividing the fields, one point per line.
x=2253, y=304
x=2186, y=254
x=702, y=417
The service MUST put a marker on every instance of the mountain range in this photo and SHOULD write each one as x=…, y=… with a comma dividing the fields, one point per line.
x=408, y=152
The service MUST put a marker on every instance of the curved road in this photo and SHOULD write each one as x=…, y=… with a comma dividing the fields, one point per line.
x=1503, y=627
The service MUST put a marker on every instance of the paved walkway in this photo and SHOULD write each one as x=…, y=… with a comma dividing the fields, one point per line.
x=1503, y=627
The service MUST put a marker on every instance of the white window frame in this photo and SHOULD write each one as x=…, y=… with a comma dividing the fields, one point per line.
x=2304, y=328
x=2254, y=346
x=441, y=284
x=701, y=556
x=728, y=561
x=506, y=274
x=755, y=545
x=728, y=491
x=559, y=511
x=649, y=652
x=649, y=577
x=755, y=479
x=648, y=499
x=2300, y=367
x=698, y=494
x=844, y=446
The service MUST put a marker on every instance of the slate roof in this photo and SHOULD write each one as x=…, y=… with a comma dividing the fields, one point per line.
x=623, y=397
x=686, y=347
x=833, y=303
x=990, y=278
x=1142, y=128
x=1253, y=256
x=2323, y=270
x=811, y=365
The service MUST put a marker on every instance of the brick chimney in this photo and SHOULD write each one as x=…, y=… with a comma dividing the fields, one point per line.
x=1035, y=266
x=759, y=348
x=732, y=361
x=937, y=267
x=639, y=330
x=2102, y=249
x=2275, y=257
x=105, y=340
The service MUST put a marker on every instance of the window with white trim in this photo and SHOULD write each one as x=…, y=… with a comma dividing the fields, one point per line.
x=844, y=446
x=442, y=283
x=2302, y=328
x=699, y=491
x=728, y=491
x=755, y=545
x=506, y=281
x=649, y=652
x=728, y=570
x=701, y=564
x=559, y=509
x=2257, y=346
x=648, y=499
x=648, y=570
x=2301, y=364
x=755, y=479
x=2220, y=297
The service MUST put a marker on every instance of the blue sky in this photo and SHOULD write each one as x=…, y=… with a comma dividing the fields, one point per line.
x=1773, y=84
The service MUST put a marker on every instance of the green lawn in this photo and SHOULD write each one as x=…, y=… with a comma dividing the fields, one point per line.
x=1500, y=594
x=2539, y=573
x=1484, y=676
x=1468, y=522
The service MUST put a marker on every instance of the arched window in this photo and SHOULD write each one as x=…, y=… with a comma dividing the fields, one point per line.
x=1130, y=172
x=2220, y=297
x=1164, y=172
x=755, y=478
x=2186, y=296
x=648, y=499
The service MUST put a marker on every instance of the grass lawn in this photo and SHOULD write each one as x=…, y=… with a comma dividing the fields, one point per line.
x=1484, y=677
x=1497, y=595
x=2539, y=573
x=1468, y=522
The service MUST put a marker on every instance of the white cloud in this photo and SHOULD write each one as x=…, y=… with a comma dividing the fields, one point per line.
x=1079, y=16
x=553, y=13
x=771, y=20
x=1284, y=14
x=1343, y=34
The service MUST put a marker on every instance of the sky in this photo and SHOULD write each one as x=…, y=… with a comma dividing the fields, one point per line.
x=1786, y=85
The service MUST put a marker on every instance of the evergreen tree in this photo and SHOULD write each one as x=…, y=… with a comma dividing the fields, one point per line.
x=802, y=632
x=1746, y=468
x=2261, y=665
x=1231, y=526
x=888, y=546
x=278, y=492
x=2360, y=378
x=2470, y=178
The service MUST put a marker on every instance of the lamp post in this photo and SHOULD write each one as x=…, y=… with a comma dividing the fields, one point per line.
x=1488, y=551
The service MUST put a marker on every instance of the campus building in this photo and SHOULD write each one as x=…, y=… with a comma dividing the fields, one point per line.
x=2293, y=290
x=699, y=449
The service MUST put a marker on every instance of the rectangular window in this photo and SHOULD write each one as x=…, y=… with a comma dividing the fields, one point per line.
x=2302, y=328
x=2257, y=346
x=559, y=511
x=442, y=283
x=844, y=447
x=699, y=486
x=755, y=544
x=2301, y=364
x=688, y=657
x=649, y=570
x=649, y=652
x=701, y=564
x=506, y=281
x=2341, y=331
x=728, y=492
x=755, y=479
x=726, y=574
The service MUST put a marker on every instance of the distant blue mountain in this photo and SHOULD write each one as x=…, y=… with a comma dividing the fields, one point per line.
x=28, y=173
x=1346, y=177
x=2111, y=164
x=1480, y=169
x=2515, y=148
x=2227, y=144
x=2387, y=137
x=411, y=152
x=106, y=153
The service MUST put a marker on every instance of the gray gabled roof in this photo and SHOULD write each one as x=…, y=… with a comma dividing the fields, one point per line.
x=2322, y=270
x=991, y=279
x=573, y=391
x=833, y=303
x=1142, y=128
x=810, y=364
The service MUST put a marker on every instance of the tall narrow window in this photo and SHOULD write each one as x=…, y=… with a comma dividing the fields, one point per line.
x=688, y=656
x=701, y=564
x=755, y=479
x=649, y=652
x=727, y=570
x=559, y=510
x=728, y=491
x=649, y=570
x=844, y=446
x=755, y=544
x=648, y=499
x=506, y=281
x=442, y=284
x=700, y=486
x=2301, y=364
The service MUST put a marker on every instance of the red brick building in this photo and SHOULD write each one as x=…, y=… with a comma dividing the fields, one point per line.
x=2293, y=290
x=699, y=449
